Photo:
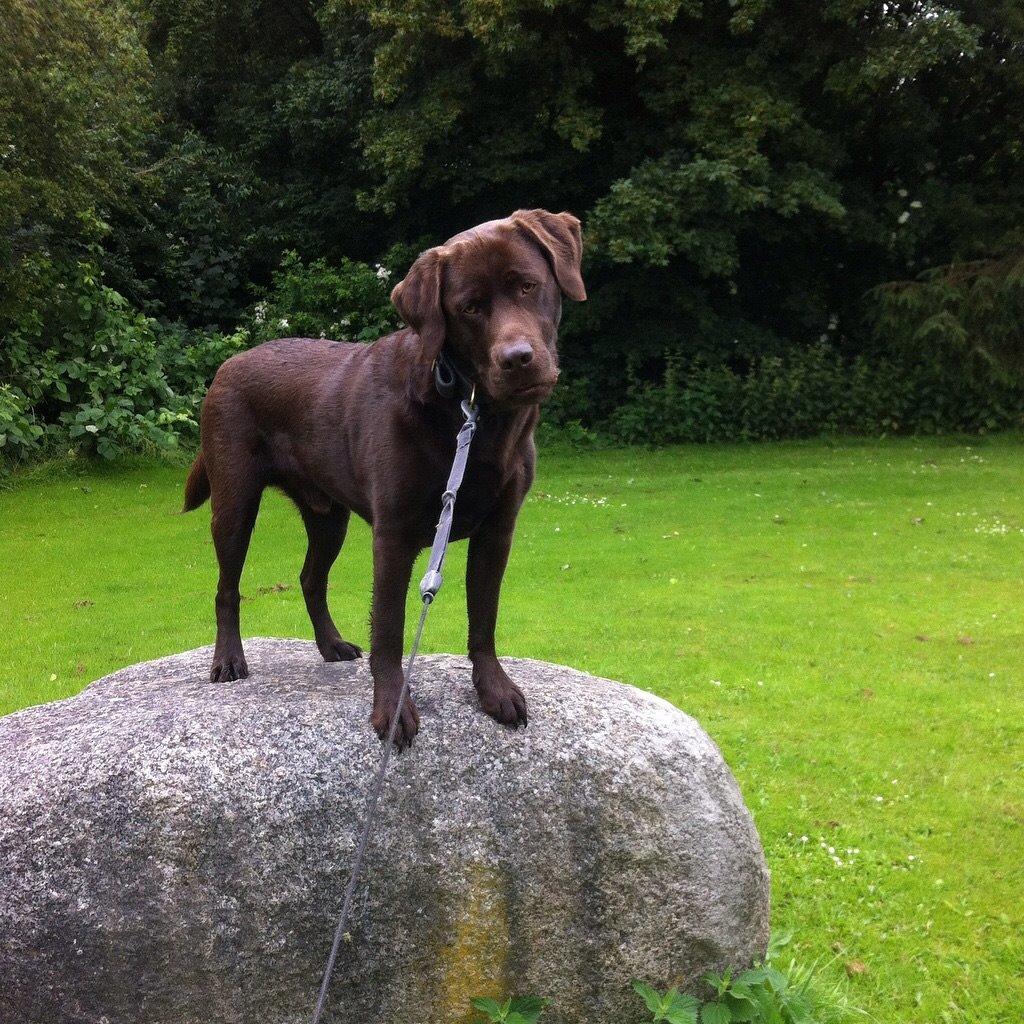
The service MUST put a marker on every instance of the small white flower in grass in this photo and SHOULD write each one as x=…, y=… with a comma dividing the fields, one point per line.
x=716, y=682
x=903, y=217
x=879, y=799
x=805, y=839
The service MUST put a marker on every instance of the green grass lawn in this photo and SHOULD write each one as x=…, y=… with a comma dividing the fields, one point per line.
x=843, y=618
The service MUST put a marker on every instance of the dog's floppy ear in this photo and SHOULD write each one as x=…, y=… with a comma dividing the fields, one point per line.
x=417, y=297
x=559, y=235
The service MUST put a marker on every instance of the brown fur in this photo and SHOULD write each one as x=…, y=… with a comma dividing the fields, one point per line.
x=343, y=428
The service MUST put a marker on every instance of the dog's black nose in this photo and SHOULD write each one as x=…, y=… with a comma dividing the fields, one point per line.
x=519, y=353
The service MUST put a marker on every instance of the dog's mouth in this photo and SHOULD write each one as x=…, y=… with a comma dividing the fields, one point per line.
x=530, y=394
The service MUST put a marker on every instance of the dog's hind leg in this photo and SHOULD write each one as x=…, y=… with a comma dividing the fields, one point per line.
x=234, y=516
x=326, y=533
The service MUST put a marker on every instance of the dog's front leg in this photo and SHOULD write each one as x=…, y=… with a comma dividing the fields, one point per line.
x=393, y=556
x=489, y=548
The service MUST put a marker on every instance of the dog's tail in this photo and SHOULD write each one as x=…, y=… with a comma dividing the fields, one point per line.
x=197, y=487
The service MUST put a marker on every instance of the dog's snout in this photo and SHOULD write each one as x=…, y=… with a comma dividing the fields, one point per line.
x=516, y=354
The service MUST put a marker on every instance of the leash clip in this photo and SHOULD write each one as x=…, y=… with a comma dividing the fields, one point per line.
x=469, y=407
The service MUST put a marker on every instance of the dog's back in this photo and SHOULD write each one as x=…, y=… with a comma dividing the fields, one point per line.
x=261, y=403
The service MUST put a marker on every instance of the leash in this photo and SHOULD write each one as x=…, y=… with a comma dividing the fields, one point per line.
x=429, y=586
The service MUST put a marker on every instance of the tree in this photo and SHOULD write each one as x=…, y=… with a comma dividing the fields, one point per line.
x=73, y=112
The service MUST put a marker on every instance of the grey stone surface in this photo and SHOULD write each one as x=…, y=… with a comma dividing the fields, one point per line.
x=174, y=852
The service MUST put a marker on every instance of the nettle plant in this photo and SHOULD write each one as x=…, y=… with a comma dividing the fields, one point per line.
x=761, y=995
x=523, y=1010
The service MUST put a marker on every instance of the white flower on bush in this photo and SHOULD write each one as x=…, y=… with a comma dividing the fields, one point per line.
x=260, y=312
x=283, y=324
x=903, y=217
x=383, y=274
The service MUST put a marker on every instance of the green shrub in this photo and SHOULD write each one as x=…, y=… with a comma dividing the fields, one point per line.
x=809, y=393
x=189, y=246
x=764, y=994
x=348, y=301
x=86, y=369
x=521, y=1010
x=19, y=432
x=969, y=314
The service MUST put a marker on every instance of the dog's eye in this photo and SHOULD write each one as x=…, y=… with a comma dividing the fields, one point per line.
x=528, y=286
x=471, y=309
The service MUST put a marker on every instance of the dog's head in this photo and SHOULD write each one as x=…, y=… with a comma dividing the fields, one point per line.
x=494, y=295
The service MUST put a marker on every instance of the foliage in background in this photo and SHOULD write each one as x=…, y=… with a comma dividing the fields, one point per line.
x=350, y=300
x=85, y=369
x=973, y=310
x=74, y=107
x=753, y=176
x=185, y=246
x=812, y=392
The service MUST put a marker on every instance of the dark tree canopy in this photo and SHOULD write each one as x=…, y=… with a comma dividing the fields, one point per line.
x=755, y=177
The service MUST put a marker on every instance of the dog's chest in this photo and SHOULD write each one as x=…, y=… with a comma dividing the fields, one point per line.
x=481, y=487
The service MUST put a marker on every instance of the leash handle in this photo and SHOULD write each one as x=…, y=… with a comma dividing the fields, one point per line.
x=432, y=578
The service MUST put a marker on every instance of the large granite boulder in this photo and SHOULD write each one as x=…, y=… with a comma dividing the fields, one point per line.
x=174, y=852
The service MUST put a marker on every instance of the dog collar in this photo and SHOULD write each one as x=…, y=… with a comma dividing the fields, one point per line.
x=450, y=381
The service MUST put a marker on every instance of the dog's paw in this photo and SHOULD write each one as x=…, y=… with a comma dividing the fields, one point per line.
x=408, y=725
x=502, y=700
x=337, y=649
x=228, y=667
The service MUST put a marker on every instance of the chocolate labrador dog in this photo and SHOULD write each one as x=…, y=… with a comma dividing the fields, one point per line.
x=344, y=427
